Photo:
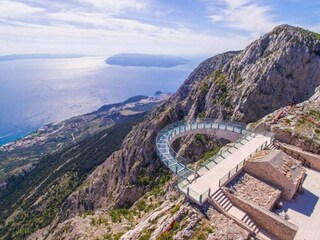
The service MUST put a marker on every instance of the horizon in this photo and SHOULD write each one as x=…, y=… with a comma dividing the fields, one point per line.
x=182, y=28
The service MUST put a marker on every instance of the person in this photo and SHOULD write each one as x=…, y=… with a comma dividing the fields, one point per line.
x=293, y=102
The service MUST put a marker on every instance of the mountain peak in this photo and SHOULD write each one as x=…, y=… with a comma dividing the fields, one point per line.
x=286, y=27
x=291, y=30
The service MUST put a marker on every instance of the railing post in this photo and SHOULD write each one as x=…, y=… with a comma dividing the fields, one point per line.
x=209, y=192
x=188, y=190
x=176, y=169
x=200, y=198
x=229, y=175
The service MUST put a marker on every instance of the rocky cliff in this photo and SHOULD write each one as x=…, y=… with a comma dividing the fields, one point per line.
x=281, y=66
x=297, y=125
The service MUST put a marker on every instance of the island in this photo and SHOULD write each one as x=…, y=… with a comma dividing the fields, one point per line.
x=145, y=60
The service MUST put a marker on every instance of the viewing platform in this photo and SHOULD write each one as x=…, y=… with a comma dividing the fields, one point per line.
x=217, y=170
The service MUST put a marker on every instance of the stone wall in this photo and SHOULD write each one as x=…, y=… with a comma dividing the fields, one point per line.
x=266, y=172
x=269, y=221
x=313, y=159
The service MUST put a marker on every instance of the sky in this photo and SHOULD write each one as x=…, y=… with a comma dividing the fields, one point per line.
x=174, y=27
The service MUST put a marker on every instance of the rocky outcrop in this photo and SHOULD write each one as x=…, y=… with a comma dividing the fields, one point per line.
x=298, y=125
x=281, y=66
x=243, y=86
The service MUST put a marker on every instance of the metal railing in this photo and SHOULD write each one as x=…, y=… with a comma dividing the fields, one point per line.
x=172, y=159
x=201, y=198
x=292, y=154
x=177, y=163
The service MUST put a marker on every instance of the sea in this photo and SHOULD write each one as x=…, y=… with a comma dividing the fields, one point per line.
x=35, y=92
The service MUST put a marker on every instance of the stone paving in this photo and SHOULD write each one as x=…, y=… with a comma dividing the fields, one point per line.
x=254, y=190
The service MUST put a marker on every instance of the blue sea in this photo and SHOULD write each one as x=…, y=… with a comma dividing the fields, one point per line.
x=37, y=92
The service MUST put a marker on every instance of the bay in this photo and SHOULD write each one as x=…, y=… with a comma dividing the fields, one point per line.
x=40, y=91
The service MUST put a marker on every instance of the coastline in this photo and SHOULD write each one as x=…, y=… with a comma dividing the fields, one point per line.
x=12, y=138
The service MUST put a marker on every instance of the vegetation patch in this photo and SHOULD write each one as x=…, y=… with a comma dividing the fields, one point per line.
x=202, y=115
x=55, y=184
x=308, y=33
x=143, y=177
x=220, y=80
x=202, y=231
x=146, y=234
x=205, y=87
x=315, y=114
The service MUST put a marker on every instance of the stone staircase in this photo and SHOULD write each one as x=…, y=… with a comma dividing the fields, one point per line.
x=221, y=201
x=271, y=146
x=250, y=223
x=220, y=198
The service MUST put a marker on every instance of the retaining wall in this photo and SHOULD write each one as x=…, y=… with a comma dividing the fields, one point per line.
x=271, y=222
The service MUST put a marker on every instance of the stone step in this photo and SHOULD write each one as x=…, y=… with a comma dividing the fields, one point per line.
x=229, y=206
x=271, y=147
x=222, y=199
x=217, y=194
x=250, y=223
x=219, y=197
x=226, y=203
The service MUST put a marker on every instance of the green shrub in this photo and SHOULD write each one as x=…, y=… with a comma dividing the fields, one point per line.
x=107, y=236
x=175, y=209
x=118, y=235
x=141, y=205
x=202, y=115
x=146, y=234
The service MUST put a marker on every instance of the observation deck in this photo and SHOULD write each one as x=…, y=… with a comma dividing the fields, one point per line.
x=217, y=170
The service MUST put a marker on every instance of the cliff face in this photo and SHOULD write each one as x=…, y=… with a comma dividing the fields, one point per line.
x=297, y=125
x=243, y=86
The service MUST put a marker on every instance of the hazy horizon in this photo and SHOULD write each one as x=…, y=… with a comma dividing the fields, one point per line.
x=182, y=28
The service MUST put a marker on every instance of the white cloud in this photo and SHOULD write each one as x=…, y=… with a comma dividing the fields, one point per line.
x=244, y=15
x=116, y=6
x=15, y=9
x=129, y=36
x=86, y=30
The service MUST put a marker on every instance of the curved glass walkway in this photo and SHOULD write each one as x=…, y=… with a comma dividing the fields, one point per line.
x=170, y=133
x=217, y=170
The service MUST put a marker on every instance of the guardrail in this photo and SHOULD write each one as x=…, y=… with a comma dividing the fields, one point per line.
x=172, y=159
x=177, y=163
x=203, y=197
x=292, y=153
x=230, y=175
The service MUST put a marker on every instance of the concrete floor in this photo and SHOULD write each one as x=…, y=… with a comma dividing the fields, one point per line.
x=304, y=211
x=211, y=178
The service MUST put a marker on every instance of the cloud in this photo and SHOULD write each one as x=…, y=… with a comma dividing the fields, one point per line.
x=124, y=36
x=246, y=15
x=10, y=9
x=102, y=27
x=116, y=6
